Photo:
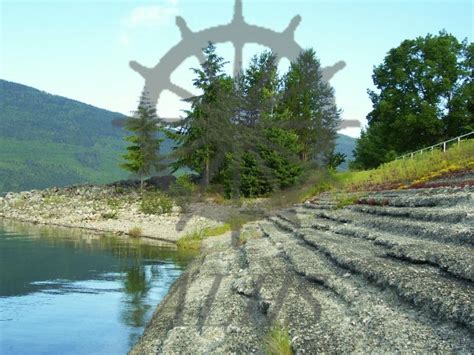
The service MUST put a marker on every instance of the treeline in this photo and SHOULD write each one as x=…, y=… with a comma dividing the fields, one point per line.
x=259, y=132
x=252, y=134
x=425, y=95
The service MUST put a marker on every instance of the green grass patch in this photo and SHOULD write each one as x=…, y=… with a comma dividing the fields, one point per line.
x=344, y=199
x=194, y=239
x=190, y=241
x=215, y=231
x=405, y=172
x=278, y=341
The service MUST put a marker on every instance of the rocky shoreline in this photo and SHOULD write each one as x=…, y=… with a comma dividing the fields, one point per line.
x=391, y=273
x=109, y=209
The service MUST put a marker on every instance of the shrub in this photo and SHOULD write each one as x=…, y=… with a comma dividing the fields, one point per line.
x=182, y=186
x=181, y=190
x=135, y=232
x=156, y=203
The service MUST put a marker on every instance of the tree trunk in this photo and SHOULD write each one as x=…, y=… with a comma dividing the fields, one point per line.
x=206, y=172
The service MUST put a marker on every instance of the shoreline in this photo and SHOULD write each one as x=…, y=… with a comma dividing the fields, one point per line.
x=87, y=229
x=104, y=209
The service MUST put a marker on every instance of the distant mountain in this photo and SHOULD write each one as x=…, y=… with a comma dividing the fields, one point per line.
x=345, y=145
x=48, y=140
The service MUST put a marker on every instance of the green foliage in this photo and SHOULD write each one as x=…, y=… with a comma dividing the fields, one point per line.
x=278, y=341
x=335, y=160
x=206, y=132
x=310, y=103
x=182, y=187
x=182, y=190
x=48, y=140
x=215, y=231
x=156, y=202
x=425, y=94
x=343, y=199
x=143, y=154
x=403, y=172
x=250, y=135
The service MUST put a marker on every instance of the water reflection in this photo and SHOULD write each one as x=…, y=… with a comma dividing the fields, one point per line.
x=56, y=284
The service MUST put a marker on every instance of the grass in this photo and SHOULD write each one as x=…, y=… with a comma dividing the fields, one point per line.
x=404, y=173
x=135, y=232
x=278, y=341
x=343, y=199
x=194, y=239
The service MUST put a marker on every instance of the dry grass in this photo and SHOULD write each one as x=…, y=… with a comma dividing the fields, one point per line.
x=135, y=232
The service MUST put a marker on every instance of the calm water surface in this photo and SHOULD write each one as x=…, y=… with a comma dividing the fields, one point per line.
x=66, y=292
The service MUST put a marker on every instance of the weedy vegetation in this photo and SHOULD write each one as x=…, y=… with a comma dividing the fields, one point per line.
x=278, y=341
x=156, y=202
x=135, y=232
x=404, y=173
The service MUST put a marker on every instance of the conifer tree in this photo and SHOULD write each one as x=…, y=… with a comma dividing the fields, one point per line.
x=142, y=157
x=206, y=133
x=310, y=103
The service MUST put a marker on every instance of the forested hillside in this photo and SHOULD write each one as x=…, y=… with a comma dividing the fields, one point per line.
x=48, y=140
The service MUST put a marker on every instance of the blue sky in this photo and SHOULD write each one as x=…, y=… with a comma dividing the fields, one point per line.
x=81, y=49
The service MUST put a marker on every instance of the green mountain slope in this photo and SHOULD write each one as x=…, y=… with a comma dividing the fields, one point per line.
x=48, y=140
x=345, y=145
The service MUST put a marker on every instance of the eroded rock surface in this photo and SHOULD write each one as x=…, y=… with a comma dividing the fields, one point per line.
x=393, y=273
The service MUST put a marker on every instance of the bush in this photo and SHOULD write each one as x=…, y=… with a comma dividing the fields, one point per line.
x=181, y=190
x=183, y=186
x=135, y=232
x=156, y=203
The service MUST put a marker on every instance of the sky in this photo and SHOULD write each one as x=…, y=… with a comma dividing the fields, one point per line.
x=81, y=49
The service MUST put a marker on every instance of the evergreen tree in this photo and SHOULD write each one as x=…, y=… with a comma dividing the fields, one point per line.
x=310, y=103
x=263, y=157
x=425, y=94
x=206, y=133
x=143, y=154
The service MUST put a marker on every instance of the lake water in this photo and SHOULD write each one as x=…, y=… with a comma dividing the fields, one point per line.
x=66, y=292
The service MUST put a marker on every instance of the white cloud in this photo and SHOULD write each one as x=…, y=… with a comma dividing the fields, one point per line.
x=152, y=15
